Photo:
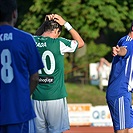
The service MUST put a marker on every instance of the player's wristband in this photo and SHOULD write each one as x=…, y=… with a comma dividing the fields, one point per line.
x=67, y=26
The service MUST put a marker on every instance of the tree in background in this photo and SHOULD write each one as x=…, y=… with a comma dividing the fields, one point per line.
x=100, y=23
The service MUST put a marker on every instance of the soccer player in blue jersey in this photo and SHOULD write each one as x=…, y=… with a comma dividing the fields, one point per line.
x=50, y=95
x=19, y=65
x=120, y=85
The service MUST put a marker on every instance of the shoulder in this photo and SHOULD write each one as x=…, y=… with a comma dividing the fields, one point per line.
x=63, y=39
x=23, y=34
x=125, y=40
x=67, y=41
x=36, y=38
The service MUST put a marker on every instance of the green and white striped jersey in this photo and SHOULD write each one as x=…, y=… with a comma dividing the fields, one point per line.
x=51, y=78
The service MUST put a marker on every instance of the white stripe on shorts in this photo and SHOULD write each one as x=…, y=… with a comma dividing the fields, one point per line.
x=121, y=113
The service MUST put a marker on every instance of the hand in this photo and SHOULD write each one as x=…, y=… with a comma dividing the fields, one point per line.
x=56, y=18
x=49, y=17
x=115, y=50
x=59, y=19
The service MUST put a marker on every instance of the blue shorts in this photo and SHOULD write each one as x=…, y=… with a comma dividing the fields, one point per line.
x=121, y=112
x=18, y=128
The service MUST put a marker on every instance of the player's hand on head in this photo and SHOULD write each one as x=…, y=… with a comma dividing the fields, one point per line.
x=59, y=19
x=49, y=17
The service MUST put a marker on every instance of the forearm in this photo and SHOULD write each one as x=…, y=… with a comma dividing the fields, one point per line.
x=34, y=79
x=122, y=51
x=77, y=37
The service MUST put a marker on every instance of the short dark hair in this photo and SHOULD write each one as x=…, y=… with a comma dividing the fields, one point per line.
x=6, y=9
x=48, y=25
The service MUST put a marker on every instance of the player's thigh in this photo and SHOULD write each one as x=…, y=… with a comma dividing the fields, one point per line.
x=121, y=113
x=57, y=115
x=40, y=120
x=52, y=116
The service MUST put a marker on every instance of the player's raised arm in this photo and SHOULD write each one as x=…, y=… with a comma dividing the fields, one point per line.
x=75, y=35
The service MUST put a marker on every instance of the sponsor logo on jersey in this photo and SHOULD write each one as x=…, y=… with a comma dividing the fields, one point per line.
x=46, y=80
x=6, y=37
x=41, y=45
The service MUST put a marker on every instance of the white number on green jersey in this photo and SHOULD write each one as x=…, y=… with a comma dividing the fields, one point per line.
x=52, y=62
x=6, y=71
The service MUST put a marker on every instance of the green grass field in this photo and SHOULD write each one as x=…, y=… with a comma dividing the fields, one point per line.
x=79, y=93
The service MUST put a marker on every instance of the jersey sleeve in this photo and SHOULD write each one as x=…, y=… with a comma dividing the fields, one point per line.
x=34, y=58
x=127, y=44
x=67, y=45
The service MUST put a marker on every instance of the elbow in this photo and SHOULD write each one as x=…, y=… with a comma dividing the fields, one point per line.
x=35, y=80
x=81, y=44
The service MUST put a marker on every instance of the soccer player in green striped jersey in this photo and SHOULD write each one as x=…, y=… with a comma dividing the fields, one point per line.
x=49, y=98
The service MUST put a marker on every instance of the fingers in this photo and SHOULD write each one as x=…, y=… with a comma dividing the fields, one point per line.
x=56, y=18
x=52, y=17
x=59, y=19
x=115, y=50
x=49, y=17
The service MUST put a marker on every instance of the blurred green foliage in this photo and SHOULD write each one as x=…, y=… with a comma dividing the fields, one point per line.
x=101, y=23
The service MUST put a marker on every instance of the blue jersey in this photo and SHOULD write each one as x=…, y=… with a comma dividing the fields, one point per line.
x=19, y=60
x=121, y=76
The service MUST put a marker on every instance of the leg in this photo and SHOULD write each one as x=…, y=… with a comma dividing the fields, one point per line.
x=100, y=82
x=120, y=113
x=52, y=116
x=57, y=115
x=130, y=130
x=122, y=131
x=40, y=120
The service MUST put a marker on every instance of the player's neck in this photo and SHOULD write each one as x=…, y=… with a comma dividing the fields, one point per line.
x=49, y=34
x=5, y=23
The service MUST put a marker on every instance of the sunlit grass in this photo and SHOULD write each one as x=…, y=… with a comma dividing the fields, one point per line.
x=79, y=93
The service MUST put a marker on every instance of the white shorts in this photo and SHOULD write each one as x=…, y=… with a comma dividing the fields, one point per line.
x=52, y=116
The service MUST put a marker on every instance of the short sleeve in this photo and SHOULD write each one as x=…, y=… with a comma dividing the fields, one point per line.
x=68, y=45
